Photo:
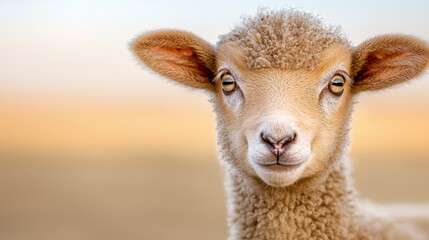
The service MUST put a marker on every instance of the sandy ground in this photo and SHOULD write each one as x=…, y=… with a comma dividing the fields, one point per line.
x=144, y=197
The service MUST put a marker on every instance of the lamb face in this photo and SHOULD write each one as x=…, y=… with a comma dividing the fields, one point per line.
x=284, y=125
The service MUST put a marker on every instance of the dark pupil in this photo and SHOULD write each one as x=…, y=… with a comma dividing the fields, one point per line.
x=337, y=83
x=228, y=81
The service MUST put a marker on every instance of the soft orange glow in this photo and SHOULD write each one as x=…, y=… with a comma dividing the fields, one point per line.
x=390, y=133
x=100, y=128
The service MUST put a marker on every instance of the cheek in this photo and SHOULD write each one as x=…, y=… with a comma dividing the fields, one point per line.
x=330, y=104
x=231, y=113
x=329, y=133
x=233, y=102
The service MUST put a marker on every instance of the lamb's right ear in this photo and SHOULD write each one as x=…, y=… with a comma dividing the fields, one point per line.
x=178, y=55
x=388, y=60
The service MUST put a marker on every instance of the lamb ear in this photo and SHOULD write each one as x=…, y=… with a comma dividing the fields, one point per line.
x=388, y=60
x=178, y=55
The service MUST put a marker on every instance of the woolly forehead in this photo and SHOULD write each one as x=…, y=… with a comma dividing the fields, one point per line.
x=284, y=39
x=335, y=58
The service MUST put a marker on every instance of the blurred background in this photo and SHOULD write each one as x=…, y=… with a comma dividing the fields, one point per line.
x=92, y=146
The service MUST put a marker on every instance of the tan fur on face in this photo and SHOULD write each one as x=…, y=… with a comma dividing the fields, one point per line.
x=286, y=39
x=298, y=95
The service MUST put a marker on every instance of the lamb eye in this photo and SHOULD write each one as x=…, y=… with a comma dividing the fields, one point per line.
x=336, y=85
x=228, y=83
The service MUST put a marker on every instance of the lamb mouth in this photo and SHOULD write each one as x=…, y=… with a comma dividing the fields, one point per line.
x=281, y=166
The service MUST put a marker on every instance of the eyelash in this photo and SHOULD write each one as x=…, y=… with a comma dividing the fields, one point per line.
x=220, y=74
x=344, y=74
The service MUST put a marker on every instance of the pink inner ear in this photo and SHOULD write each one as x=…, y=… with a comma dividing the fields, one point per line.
x=387, y=55
x=384, y=59
x=180, y=52
x=182, y=59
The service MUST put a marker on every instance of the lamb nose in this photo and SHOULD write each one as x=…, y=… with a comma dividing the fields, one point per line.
x=277, y=146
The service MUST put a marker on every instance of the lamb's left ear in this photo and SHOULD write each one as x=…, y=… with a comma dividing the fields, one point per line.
x=388, y=60
x=177, y=55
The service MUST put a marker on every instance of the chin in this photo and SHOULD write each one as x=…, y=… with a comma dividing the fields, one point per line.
x=278, y=175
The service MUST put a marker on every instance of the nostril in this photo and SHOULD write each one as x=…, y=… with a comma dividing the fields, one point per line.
x=267, y=139
x=277, y=144
x=287, y=139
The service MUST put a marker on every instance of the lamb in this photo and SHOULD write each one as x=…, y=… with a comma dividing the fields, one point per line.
x=283, y=84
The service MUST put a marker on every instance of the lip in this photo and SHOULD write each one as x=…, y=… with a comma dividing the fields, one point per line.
x=279, y=167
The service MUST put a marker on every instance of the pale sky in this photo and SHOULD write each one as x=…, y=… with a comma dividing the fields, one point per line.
x=79, y=49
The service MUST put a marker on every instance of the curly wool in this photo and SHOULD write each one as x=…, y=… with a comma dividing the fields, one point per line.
x=323, y=213
x=286, y=39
